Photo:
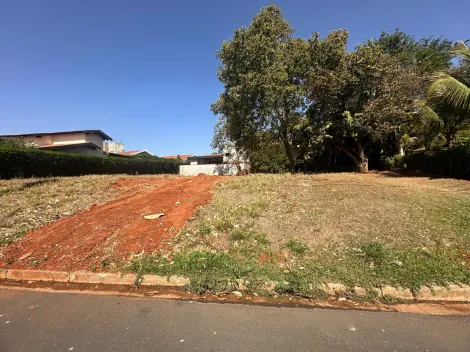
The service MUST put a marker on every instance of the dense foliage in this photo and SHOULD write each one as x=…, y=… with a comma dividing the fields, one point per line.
x=10, y=142
x=298, y=104
x=451, y=162
x=15, y=162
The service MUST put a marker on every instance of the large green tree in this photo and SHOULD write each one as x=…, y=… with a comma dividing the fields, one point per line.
x=263, y=69
x=361, y=97
x=428, y=55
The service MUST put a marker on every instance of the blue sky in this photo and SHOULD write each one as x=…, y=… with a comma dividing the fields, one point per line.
x=144, y=72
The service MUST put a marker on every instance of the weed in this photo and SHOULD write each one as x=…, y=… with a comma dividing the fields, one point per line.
x=204, y=228
x=262, y=240
x=255, y=209
x=238, y=235
x=296, y=247
x=105, y=263
x=37, y=261
x=374, y=252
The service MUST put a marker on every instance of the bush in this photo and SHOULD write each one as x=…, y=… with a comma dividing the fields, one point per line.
x=395, y=163
x=10, y=142
x=453, y=162
x=36, y=163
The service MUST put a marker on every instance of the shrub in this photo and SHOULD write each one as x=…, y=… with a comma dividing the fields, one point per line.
x=453, y=162
x=10, y=142
x=395, y=163
x=16, y=162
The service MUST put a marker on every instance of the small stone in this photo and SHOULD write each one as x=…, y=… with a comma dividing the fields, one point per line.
x=237, y=293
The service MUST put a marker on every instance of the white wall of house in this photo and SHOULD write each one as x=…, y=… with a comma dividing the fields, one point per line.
x=211, y=169
x=94, y=138
x=59, y=139
x=113, y=147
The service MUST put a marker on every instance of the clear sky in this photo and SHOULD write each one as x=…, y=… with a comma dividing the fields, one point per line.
x=144, y=72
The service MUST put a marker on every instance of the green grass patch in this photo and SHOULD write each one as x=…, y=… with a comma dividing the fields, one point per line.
x=220, y=272
x=297, y=247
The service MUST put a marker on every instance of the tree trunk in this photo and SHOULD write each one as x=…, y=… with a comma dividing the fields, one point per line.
x=363, y=161
x=291, y=157
x=360, y=161
x=364, y=167
x=289, y=152
x=450, y=136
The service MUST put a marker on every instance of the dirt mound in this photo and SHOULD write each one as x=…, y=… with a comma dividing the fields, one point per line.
x=109, y=233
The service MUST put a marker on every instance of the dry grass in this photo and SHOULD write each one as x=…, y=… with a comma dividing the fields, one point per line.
x=338, y=209
x=302, y=231
x=31, y=203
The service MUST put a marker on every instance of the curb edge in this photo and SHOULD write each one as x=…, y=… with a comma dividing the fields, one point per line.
x=451, y=293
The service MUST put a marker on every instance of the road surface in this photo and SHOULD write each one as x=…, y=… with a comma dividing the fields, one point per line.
x=39, y=321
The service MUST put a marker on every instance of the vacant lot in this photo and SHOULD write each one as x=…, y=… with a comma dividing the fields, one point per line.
x=299, y=231
x=105, y=236
x=303, y=231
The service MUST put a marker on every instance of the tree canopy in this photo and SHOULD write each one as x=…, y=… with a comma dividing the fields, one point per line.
x=298, y=98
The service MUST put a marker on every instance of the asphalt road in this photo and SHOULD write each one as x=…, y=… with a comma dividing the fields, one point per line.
x=37, y=321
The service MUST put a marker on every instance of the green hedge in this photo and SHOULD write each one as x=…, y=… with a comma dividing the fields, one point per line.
x=453, y=162
x=37, y=163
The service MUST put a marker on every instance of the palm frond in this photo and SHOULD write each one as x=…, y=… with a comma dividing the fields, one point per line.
x=461, y=50
x=450, y=90
x=430, y=120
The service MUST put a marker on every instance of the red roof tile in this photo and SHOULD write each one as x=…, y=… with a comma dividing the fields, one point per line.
x=182, y=156
x=130, y=152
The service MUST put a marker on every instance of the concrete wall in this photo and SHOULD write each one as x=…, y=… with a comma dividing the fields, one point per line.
x=60, y=139
x=211, y=169
x=113, y=147
x=95, y=138
x=39, y=142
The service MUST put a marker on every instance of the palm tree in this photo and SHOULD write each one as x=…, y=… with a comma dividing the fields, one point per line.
x=446, y=110
x=449, y=89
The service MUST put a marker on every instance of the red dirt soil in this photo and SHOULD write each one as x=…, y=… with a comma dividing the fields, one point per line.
x=111, y=232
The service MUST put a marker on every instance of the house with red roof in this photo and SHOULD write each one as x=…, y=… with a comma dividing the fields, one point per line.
x=183, y=157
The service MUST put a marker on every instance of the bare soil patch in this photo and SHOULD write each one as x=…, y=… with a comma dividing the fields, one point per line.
x=105, y=235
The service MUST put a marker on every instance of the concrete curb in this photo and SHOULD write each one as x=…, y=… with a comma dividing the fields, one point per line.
x=92, y=278
x=451, y=293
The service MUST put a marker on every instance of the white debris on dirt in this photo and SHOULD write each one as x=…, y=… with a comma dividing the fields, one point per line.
x=237, y=293
x=153, y=216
